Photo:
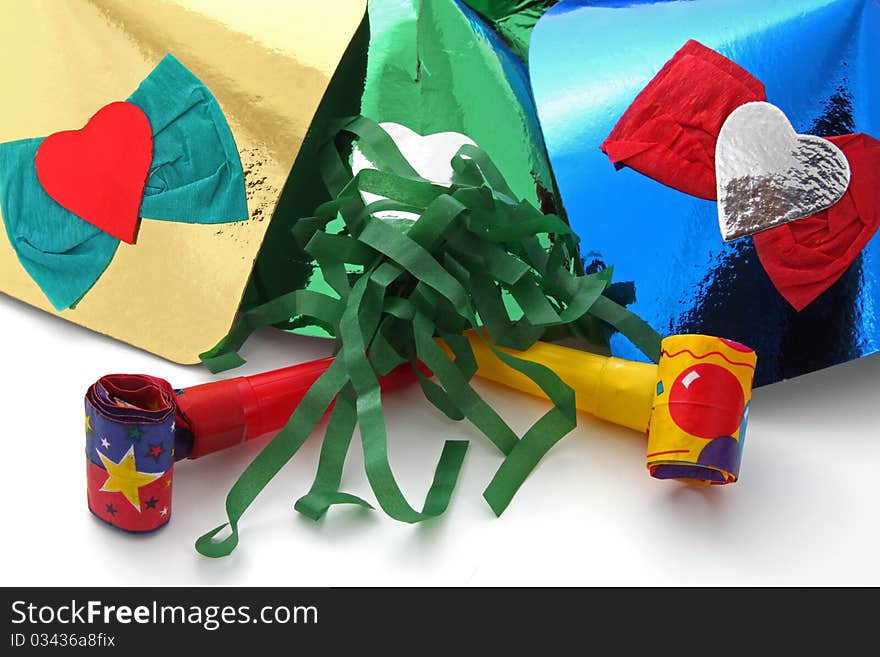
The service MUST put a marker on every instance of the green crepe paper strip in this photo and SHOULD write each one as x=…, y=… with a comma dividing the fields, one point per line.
x=325, y=490
x=398, y=287
x=273, y=457
x=195, y=177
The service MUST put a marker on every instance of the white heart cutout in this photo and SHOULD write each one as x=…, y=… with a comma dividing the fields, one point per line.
x=430, y=155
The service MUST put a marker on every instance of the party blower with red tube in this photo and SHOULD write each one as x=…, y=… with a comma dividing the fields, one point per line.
x=693, y=406
x=137, y=426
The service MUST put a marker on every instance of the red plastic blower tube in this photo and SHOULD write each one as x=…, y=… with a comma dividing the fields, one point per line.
x=225, y=413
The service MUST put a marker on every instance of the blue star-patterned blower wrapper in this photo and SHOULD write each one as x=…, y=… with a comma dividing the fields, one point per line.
x=818, y=61
x=130, y=450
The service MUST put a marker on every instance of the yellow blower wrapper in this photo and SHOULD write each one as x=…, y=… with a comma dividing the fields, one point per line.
x=693, y=404
x=700, y=409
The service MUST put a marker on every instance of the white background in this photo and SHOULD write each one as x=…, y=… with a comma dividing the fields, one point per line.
x=804, y=512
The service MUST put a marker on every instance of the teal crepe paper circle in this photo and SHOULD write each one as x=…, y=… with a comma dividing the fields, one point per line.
x=196, y=174
x=195, y=177
x=62, y=253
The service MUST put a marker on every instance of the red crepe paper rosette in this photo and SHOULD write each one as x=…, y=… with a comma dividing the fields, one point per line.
x=670, y=131
x=806, y=257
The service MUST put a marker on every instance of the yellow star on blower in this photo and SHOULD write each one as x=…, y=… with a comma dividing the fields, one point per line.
x=123, y=477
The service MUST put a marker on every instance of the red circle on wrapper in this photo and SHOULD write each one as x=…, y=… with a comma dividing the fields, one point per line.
x=707, y=401
x=733, y=344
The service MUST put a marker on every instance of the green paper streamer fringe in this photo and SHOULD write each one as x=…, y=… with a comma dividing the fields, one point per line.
x=473, y=259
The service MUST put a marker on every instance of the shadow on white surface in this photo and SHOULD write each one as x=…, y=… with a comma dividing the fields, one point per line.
x=804, y=511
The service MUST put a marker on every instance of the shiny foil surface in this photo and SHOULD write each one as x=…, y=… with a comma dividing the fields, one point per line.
x=769, y=175
x=820, y=63
x=437, y=66
x=176, y=291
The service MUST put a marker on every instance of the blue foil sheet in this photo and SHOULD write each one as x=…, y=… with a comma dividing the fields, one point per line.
x=820, y=63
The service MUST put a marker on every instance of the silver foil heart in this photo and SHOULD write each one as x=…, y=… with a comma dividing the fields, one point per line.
x=769, y=175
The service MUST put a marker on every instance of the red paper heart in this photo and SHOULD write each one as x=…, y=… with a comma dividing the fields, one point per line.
x=806, y=257
x=99, y=173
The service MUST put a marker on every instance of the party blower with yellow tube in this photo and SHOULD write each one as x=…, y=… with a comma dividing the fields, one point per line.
x=693, y=405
